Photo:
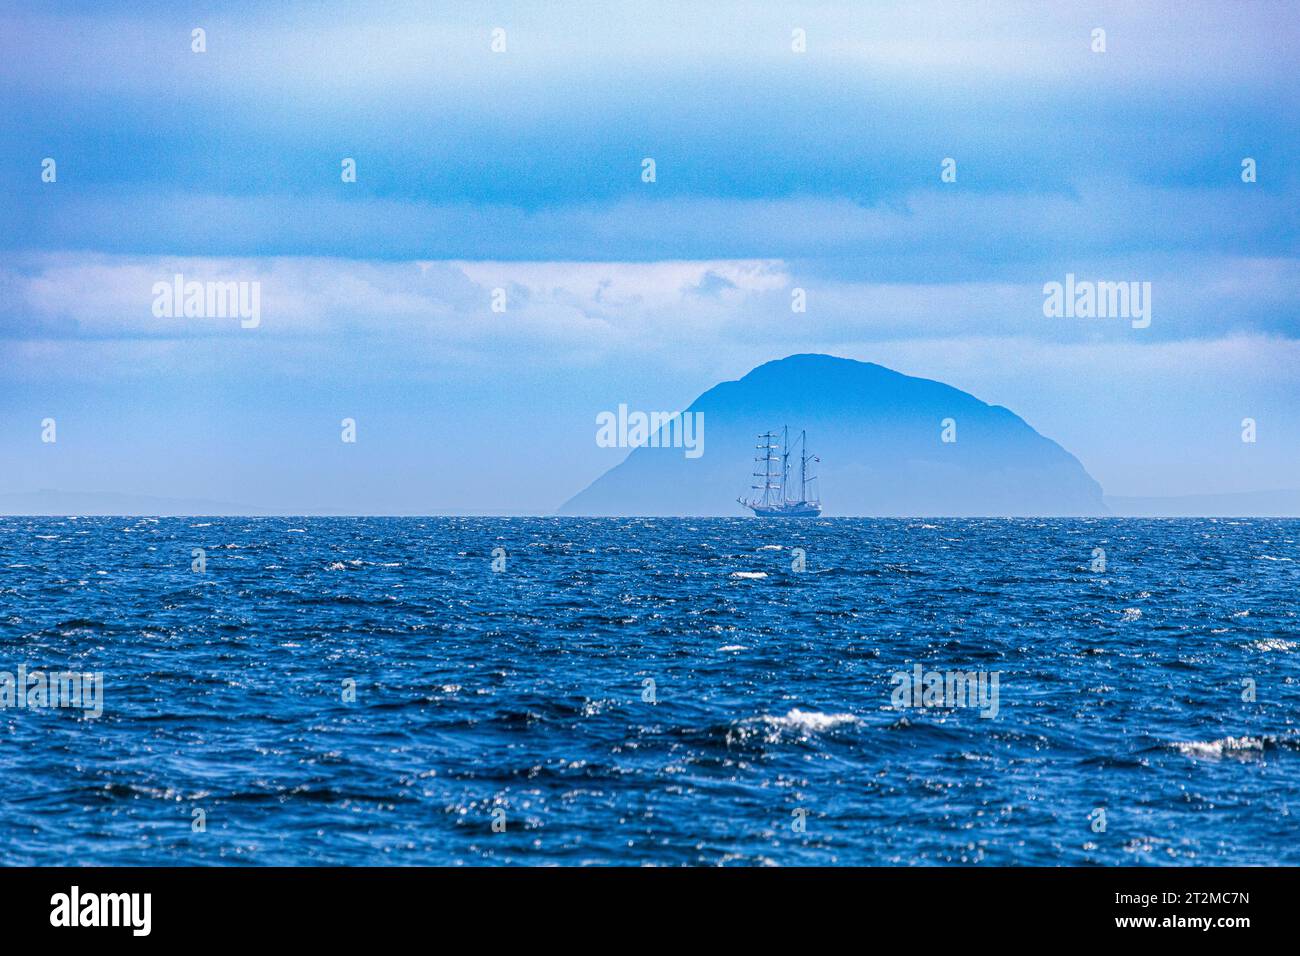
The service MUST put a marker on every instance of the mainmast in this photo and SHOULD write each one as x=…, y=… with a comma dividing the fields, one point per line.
x=804, y=458
x=768, y=474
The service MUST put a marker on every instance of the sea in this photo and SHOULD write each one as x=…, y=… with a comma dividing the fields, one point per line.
x=649, y=691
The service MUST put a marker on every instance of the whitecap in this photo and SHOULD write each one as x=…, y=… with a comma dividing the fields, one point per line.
x=749, y=575
x=1272, y=644
x=1233, y=746
x=811, y=720
x=796, y=724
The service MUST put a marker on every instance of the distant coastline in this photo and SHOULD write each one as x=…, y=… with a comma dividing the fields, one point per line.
x=59, y=504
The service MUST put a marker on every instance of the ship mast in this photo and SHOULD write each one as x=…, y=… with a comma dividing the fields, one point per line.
x=768, y=474
x=804, y=458
x=785, y=463
x=803, y=466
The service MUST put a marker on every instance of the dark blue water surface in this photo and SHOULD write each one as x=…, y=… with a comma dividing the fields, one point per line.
x=522, y=691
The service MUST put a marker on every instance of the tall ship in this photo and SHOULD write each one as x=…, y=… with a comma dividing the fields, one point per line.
x=776, y=500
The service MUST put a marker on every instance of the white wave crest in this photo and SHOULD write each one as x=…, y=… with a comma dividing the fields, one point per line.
x=1272, y=644
x=811, y=720
x=1230, y=746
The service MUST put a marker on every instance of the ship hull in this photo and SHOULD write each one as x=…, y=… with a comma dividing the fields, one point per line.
x=802, y=509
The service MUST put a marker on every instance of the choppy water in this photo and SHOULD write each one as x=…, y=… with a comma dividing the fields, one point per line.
x=522, y=691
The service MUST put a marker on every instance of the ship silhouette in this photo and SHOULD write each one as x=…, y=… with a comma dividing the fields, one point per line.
x=775, y=501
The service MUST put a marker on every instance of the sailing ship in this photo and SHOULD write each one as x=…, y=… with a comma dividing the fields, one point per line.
x=776, y=502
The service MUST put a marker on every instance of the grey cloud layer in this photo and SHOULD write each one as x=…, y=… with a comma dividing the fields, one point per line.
x=654, y=306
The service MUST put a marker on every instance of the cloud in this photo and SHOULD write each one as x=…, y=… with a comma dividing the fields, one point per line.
x=564, y=118
x=608, y=307
x=306, y=48
x=925, y=235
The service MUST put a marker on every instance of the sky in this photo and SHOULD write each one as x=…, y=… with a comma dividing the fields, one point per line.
x=522, y=171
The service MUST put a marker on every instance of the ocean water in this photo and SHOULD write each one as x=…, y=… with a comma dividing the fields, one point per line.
x=775, y=734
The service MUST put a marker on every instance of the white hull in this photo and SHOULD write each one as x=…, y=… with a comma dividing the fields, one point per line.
x=793, y=509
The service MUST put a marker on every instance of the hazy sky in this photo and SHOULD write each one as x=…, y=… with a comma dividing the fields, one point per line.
x=521, y=170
